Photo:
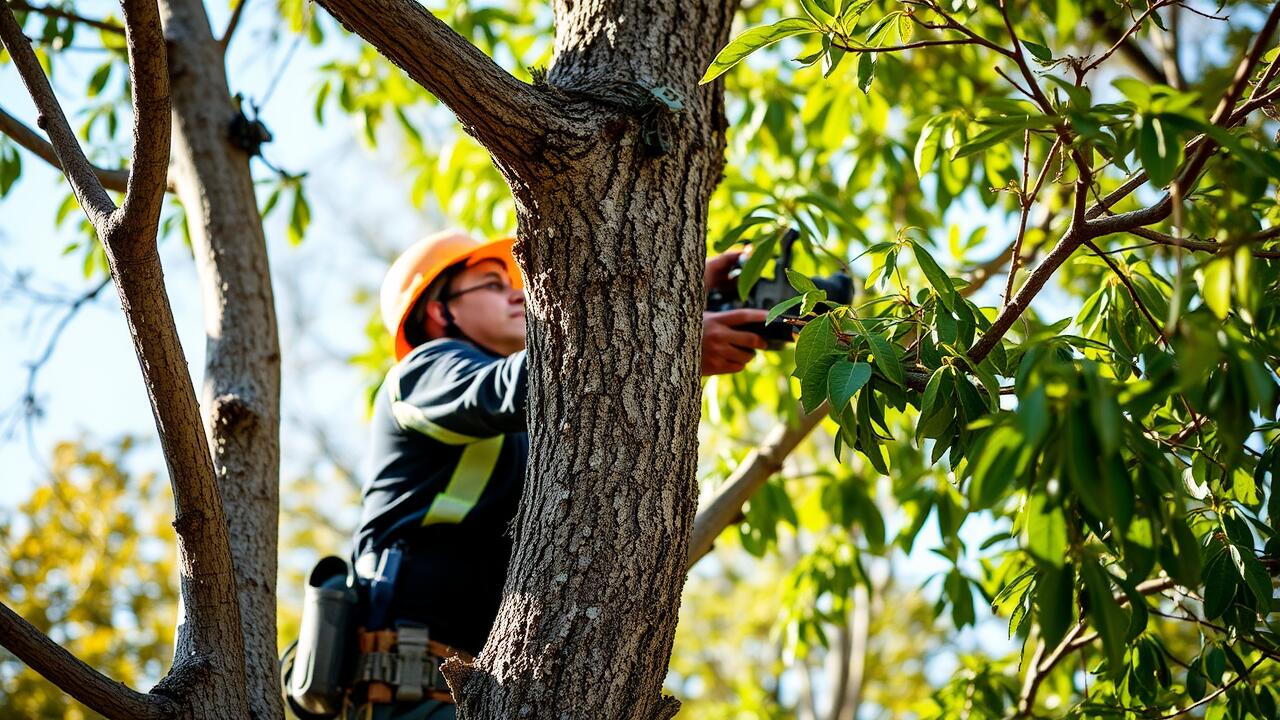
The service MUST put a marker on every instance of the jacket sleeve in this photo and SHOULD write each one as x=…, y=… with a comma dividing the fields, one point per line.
x=457, y=394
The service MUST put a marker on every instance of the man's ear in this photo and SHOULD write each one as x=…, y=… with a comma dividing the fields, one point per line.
x=436, y=322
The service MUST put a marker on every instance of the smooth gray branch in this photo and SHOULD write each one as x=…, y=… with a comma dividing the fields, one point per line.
x=74, y=677
x=759, y=465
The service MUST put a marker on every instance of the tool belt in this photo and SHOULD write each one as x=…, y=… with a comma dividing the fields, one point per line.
x=338, y=660
x=401, y=665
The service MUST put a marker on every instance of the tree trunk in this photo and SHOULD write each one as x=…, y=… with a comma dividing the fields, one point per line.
x=241, y=393
x=612, y=242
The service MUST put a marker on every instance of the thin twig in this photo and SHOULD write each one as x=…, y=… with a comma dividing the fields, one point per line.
x=49, y=11
x=232, y=24
x=1209, y=698
x=1028, y=199
x=1137, y=25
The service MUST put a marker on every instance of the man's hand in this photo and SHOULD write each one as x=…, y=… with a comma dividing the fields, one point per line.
x=726, y=349
x=716, y=272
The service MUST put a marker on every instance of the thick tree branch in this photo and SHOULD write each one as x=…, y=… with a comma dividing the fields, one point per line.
x=71, y=675
x=1198, y=245
x=48, y=11
x=759, y=465
x=149, y=78
x=511, y=118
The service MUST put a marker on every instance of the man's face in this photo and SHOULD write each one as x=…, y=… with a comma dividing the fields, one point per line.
x=486, y=308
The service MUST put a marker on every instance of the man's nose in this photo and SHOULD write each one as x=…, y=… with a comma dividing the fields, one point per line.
x=517, y=295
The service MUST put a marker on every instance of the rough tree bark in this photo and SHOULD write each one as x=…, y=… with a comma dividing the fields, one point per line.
x=226, y=477
x=241, y=392
x=611, y=241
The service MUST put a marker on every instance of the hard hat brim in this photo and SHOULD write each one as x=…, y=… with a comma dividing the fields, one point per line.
x=494, y=250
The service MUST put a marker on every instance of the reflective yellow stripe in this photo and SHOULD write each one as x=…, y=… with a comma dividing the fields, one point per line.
x=467, y=484
x=411, y=417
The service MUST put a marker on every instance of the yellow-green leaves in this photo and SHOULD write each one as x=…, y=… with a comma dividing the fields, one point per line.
x=1046, y=530
x=754, y=39
x=1215, y=286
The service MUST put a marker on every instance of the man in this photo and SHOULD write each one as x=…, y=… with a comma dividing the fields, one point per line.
x=449, y=443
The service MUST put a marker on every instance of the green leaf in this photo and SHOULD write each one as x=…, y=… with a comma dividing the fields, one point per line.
x=816, y=340
x=984, y=140
x=926, y=153
x=1195, y=684
x=752, y=40
x=299, y=216
x=761, y=254
x=1257, y=578
x=99, y=79
x=1108, y=618
x=934, y=274
x=816, y=9
x=1055, y=600
x=1046, y=530
x=1216, y=286
x=1219, y=584
x=800, y=282
x=866, y=71
x=846, y=378
x=1038, y=51
x=782, y=307
x=1158, y=149
x=886, y=359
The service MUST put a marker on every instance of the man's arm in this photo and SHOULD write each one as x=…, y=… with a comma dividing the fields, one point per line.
x=457, y=394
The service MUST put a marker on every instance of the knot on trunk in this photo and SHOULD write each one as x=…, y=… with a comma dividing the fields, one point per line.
x=667, y=708
x=457, y=672
x=233, y=412
x=656, y=107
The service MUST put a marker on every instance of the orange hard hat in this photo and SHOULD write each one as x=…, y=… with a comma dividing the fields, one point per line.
x=418, y=266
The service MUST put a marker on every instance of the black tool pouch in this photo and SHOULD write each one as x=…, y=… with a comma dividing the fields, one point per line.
x=323, y=663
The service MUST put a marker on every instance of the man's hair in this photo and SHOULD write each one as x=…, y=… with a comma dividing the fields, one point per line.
x=415, y=327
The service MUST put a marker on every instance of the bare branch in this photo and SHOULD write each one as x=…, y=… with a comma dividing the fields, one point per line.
x=26, y=137
x=1028, y=199
x=1131, y=51
x=1199, y=245
x=1124, y=39
x=1084, y=229
x=1210, y=697
x=149, y=78
x=50, y=11
x=84, y=182
x=759, y=465
x=509, y=117
x=71, y=675
x=232, y=24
